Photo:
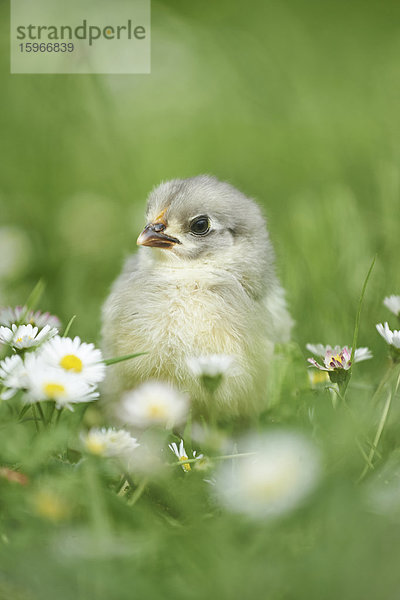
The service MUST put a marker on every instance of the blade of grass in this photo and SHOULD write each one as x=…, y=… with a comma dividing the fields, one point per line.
x=357, y=323
x=33, y=299
x=68, y=327
x=113, y=361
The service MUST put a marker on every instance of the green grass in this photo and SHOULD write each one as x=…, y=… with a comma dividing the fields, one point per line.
x=295, y=103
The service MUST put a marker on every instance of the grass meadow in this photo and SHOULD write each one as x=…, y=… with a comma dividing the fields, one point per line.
x=297, y=105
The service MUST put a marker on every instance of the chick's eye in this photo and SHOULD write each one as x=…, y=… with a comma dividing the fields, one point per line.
x=200, y=225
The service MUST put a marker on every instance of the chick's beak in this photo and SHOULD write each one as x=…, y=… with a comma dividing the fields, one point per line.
x=153, y=235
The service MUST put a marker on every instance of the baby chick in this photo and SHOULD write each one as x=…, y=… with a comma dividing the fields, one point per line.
x=202, y=283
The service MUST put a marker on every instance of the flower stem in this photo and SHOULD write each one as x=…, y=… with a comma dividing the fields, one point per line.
x=138, y=492
x=59, y=415
x=224, y=457
x=35, y=417
x=379, y=431
x=41, y=413
x=97, y=507
x=51, y=413
x=384, y=380
x=343, y=387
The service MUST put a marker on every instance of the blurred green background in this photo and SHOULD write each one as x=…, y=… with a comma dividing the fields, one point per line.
x=296, y=103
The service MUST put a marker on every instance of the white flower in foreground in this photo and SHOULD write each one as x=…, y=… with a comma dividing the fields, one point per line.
x=23, y=316
x=391, y=337
x=48, y=383
x=26, y=336
x=153, y=403
x=212, y=365
x=109, y=442
x=393, y=304
x=336, y=358
x=282, y=472
x=211, y=369
x=12, y=376
x=76, y=357
x=182, y=455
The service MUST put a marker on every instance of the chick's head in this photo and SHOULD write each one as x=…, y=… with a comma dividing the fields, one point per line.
x=202, y=221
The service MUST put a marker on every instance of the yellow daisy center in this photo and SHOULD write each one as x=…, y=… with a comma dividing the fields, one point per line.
x=54, y=390
x=338, y=358
x=70, y=362
x=95, y=446
x=186, y=466
x=156, y=411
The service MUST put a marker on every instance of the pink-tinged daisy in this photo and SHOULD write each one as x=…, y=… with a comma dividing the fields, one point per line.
x=22, y=316
x=336, y=358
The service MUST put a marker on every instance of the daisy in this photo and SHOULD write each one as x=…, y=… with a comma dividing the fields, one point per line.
x=336, y=358
x=75, y=357
x=283, y=469
x=23, y=316
x=182, y=455
x=49, y=383
x=153, y=403
x=25, y=336
x=12, y=376
x=211, y=369
x=212, y=365
x=391, y=337
x=109, y=442
x=393, y=304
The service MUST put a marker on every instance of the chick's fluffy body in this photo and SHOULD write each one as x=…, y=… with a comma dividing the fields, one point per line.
x=210, y=294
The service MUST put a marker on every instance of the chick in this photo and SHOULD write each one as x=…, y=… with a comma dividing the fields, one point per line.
x=203, y=282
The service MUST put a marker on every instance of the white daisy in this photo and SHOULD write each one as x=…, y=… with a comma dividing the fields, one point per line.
x=12, y=375
x=25, y=336
x=212, y=365
x=393, y=304
x=75, y=357
x=109, y=442
x=153, y=403
x=182, y=455
x=391, y=337
x=211, y=369
x=23, y=316
x=49, y=383
x=282, y=472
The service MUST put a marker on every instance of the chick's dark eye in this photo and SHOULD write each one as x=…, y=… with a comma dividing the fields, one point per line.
x=200, y=225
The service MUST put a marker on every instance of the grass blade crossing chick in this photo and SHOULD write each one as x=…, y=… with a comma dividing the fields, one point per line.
x=203, y=282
